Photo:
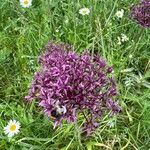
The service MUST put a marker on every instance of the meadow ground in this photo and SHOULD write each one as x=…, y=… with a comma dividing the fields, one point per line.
x=23, y=34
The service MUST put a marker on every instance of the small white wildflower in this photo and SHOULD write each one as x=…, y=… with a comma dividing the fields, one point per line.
x=84, y=11
x=66, y=21
x=120, y=13
x=12, y=128
x=130, y=56
x=124, y=38
x=25, y=3
x=57, y=30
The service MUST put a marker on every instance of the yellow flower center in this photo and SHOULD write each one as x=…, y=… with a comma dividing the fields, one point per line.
x=84, y=11
x=26, y=2
x=13, y=127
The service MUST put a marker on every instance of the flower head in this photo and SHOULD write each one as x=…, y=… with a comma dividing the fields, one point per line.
x=141, y=13
x=68, y=84
x=84, y=11
x=130, y=56
x=124, y=38
x=120, y=13
x=25, y=3
x=12, y=128
x=57, y=30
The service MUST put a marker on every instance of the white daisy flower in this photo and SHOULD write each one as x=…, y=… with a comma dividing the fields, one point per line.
x=84, y=11
x=12, y=128
x=120, y=13
x=124, y=38
x=25, y=3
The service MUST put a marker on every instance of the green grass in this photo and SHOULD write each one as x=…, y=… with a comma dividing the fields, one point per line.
x=24, y=33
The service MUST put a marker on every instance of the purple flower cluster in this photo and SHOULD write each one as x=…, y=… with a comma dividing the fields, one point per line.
x=79, y=83
x=141, y=13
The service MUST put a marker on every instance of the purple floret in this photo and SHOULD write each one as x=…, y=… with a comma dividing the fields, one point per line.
x=80, y=83
x=141, y=13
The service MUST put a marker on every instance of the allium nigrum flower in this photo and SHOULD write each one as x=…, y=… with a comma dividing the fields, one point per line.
x=68, y=84
x=141, y=13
